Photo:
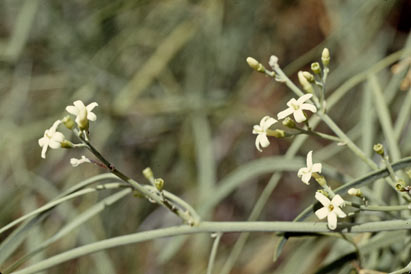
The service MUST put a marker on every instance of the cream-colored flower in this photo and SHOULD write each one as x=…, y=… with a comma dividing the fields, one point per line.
x=305, y=173
x=296, y=108
x=83, y=113
x=76, y=162
x=52, y=138
x=262, y=140
x=331, y=209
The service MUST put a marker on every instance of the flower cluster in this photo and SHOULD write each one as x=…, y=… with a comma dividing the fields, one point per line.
x=55, y=139
x=297, y=108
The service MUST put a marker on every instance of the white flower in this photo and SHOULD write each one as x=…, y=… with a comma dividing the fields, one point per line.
x=76, y=162
x=296, y=108
x=51, y=138
x=83, y=113
x=262, y=140
x=331, y=209
x=305, y=173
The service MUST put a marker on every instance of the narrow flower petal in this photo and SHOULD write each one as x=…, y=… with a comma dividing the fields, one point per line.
x=304, y=98
x=337, y=200
x=72, y=110
x=263, y=140
x=306, y=178
x=339, y=212
x=91, y=106
x=79, y=104
x=309, y=160
x=316, y=167
x=299, y=116
x=322, y=213
x=43, y=152
x=257, y=129
x=267, y=122
x=332, y=220
x=309, y=107
x=91, y=116
x=302, y=171
x=285, y=113
x=257, y=144
x=322, y=199
x=42, y=141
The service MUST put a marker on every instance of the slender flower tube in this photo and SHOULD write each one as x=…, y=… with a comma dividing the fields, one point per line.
x=296, y=108
x=331, y=209
x=261, y=139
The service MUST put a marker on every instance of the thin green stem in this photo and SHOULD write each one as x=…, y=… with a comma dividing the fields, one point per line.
x=55, y=203
x=389, y=168
x=378, y=208
x=151, y=195
x=320, y=134
x=213, y=253
x=212, y=227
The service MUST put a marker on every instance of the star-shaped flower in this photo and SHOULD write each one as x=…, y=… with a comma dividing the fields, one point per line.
x=51, y=138
x=83, y=113
x=331, y=209
x=296, y=108
x=305, y=173
x=262, y=140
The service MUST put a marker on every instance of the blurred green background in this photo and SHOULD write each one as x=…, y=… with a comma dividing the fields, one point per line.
x=175, y=94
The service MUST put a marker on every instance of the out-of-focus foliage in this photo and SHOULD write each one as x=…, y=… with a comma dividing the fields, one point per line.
x=175, y=94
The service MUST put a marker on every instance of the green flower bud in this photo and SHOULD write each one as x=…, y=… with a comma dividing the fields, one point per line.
x=159, y=184
x=66, y=144
x=379, y=149
x=355, y=192
x=148, y=173
x=255, y=65
x=309, y=76
x=325, y=57
x=315, y=67
x=68, y=122
x=304, y=83
x=288, y=122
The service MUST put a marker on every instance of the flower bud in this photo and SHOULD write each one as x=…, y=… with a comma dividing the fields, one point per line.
x=304, y=83
x=308, y=76
x=255, y=65
x=379, y=149
x=68, y=122
x=148, y=173
x=315, y=67
x=325, y=57
x=66, y=144
x=288, y=122
x=355, y=192
x=159, y=184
